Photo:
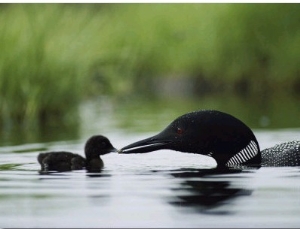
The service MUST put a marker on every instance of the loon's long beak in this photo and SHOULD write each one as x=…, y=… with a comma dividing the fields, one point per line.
x=147, y=145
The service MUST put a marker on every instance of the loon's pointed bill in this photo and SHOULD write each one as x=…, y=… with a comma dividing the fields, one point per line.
x=147, y=145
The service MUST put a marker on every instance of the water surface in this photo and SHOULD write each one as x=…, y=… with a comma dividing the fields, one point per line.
x=158, y=189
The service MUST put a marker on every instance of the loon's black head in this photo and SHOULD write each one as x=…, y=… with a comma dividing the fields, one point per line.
x=98, y=145
x=213, y=133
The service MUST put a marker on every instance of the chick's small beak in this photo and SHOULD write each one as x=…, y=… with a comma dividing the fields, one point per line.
x=114, y=150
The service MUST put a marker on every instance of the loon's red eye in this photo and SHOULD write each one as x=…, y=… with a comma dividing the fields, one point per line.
x=179, y=130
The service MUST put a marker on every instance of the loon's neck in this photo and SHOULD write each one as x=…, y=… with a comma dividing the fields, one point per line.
x=248, y=155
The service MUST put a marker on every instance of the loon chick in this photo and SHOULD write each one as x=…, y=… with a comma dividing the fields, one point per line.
x=65, y=161
x=218, y=135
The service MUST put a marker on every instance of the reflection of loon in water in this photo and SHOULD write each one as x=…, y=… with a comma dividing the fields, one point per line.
x=207, y=189
x=218, y=135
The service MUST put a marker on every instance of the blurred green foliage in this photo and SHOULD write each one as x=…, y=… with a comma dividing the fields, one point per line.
x=240, y=47
x=43, y=61
x=55, y=55
x=156, y=114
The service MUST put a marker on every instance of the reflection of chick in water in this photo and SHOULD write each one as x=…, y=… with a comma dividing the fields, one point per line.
x=211, y=190
x=65, y=161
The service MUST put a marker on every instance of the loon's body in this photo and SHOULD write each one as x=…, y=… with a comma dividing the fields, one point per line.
x=284, y=154
x=65, y=161
x=221, y=136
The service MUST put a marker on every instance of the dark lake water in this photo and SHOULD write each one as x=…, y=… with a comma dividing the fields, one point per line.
x=159, y=189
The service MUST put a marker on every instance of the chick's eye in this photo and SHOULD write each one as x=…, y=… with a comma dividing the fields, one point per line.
x=179, y=130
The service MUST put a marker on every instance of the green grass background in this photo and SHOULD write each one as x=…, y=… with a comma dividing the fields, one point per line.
x=54, y=56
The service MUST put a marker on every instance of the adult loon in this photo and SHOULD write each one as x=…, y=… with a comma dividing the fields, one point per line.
x=221, y=136
x=65, y=161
